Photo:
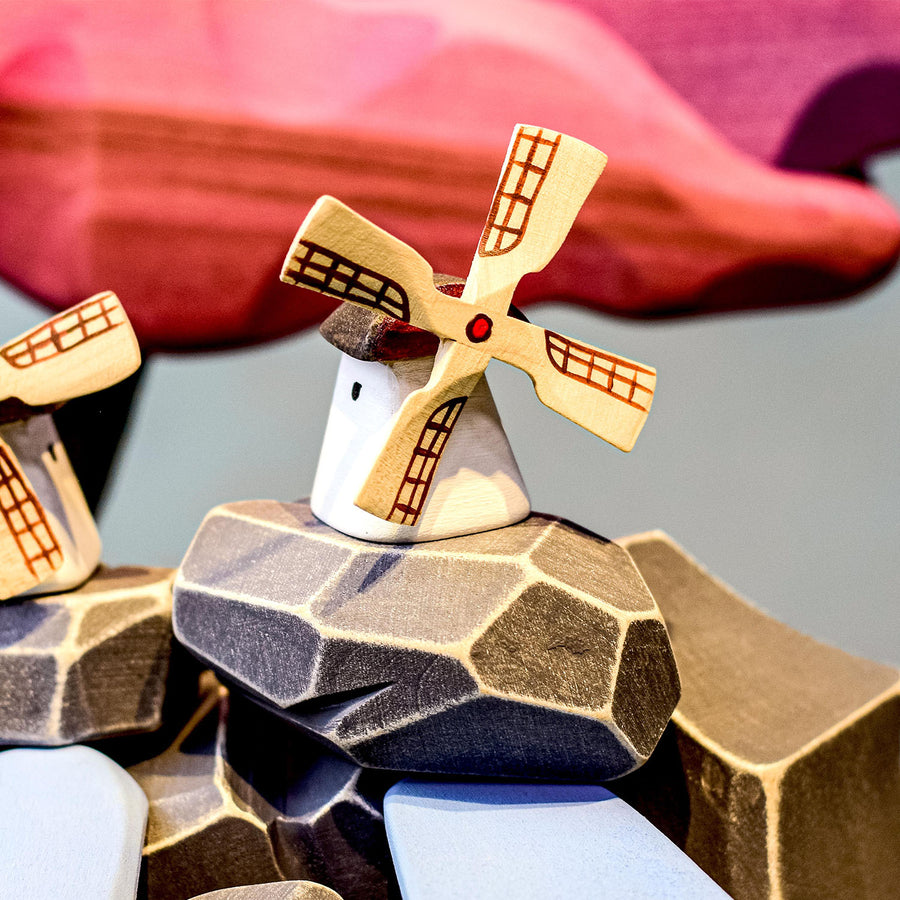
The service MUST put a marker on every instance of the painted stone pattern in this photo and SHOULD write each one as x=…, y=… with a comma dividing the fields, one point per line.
x=293, y=890
x=88, y=663
x=778, y=775
x=241, y=797
x=532, y=650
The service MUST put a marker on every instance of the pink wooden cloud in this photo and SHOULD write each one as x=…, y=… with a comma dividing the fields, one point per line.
x=170, y=152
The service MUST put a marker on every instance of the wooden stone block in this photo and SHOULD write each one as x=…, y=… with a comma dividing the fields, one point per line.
x=240, y=797
x=71, y=826
x=88, y=663
x=282, y=890
x=502, y=840
x=779, y=774
x=533, y=650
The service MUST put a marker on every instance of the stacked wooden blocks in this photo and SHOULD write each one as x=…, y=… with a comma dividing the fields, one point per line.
x=415, y=617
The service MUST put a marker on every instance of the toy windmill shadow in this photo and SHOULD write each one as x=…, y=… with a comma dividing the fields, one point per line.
x=545, y=180
x=48, y=540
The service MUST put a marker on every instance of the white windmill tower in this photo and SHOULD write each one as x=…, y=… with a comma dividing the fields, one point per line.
x=545, y=180
x=48, y=539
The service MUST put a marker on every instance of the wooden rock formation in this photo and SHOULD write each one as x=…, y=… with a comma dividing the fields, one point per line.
x=88, y=663
x=241, y=797
x=533, y=650
x=779, y=774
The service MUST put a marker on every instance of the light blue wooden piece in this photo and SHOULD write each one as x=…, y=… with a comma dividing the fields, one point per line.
x=501, y=841
x=71, y=826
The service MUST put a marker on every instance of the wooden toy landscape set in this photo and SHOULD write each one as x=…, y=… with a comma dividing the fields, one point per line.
x=414, y=618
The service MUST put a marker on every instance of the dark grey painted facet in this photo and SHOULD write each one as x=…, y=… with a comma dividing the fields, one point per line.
x=27, y=686
x=119, y=685
x=553, y=646
x=514, y=739
x=375, y=686
x=267, y=650
x=647, y=685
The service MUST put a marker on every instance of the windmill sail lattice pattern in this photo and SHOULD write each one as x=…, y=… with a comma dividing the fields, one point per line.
x=622, y=379
x=321, y=269
x=527, y=167
x=416, y=483
x=65, y=331
x=25, y=520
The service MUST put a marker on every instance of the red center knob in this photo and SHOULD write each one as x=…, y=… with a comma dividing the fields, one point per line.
x=479, y=329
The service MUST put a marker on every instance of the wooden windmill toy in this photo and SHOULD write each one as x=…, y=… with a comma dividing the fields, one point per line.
x=48, y=539
x=545, y=180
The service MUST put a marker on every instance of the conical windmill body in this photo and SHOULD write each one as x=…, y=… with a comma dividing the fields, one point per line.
x=545, y=180
x=48, y=539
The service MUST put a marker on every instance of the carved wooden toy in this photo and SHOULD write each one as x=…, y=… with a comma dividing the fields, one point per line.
x=48, y=540
x=87, y=663
x=779, y=773
x=533, y=650
x=477, y=488
x=496, y=841
x=282, y=890
x=545, y=180
x=241, y=797
x=71, y=825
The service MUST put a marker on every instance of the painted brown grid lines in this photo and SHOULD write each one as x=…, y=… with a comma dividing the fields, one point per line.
x=25, y=520
x=528, y=165
x=611, y=374
x=326, y=271
x=419, y=473
x=65, y=331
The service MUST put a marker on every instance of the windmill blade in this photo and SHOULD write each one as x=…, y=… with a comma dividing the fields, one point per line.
x=607, y=394
x=397, y=486
x=339, y=253
x=546, y=178
x=29, y=550
x=84, y=349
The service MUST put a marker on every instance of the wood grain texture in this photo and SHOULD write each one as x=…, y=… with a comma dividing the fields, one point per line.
x=79, y=351
x=544, y=182
x=779, y=772
x=478, y=487
x=533, y=650
x=71, y=825
x=496, y=841
x=291, y=890
x=57, y=512
x=87, y=663
x=239, y=797
x=126, y=174
x=29, y=546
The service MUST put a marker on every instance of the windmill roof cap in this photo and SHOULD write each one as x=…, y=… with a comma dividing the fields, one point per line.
x=370, y=335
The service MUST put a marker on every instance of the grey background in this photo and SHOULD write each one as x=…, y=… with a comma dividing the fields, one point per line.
x=771, y=453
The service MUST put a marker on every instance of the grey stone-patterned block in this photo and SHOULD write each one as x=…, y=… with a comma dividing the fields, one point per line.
x=532, y=650
x=284, y=890
x=241, y=797
x=89, y=663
